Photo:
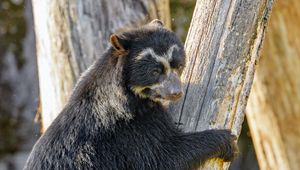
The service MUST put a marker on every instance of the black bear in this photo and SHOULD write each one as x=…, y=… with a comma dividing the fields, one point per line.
x=116, y=117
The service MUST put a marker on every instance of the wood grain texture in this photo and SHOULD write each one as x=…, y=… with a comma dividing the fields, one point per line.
x=222, y=48
x=72, y=34
x=274, y=105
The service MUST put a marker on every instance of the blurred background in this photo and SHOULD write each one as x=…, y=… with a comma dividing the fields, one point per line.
x=271, y=131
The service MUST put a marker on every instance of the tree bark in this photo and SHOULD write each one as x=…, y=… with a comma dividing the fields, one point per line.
x=72, y=34
x=222, y=48
x=274, y=112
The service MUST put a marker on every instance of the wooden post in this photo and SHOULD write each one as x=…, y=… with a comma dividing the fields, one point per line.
x=222, y=47
x=273, y=110
x=70, y=35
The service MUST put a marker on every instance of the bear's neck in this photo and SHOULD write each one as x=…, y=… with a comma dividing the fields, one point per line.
x=100, y=91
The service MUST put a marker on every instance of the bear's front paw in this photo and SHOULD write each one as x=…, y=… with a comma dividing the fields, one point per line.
x=228, y=149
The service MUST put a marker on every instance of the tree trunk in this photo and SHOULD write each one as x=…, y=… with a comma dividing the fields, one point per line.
x=274, y=111
x=222, y=48
x=72, y=34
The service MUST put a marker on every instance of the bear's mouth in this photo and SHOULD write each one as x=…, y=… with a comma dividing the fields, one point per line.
x=159, y=95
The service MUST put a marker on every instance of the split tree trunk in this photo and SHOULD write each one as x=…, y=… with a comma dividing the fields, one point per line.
x=72, y=34
x=274, y=112
x=222, y=48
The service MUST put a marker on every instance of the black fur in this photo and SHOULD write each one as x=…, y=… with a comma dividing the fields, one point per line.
x=105, y=125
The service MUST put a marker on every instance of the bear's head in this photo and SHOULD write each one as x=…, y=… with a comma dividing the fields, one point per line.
x=154, y=59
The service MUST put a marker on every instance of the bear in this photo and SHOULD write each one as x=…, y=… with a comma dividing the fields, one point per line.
x=117, y=116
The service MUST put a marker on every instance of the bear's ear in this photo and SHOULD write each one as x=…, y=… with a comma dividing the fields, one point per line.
x=116, y=43
x=119, y=44
x=157, y=23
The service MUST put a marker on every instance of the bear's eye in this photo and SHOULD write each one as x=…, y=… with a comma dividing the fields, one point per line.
x=156, y=72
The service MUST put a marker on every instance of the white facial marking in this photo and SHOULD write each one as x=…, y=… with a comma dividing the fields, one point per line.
x=165, y=59
x=139, y=57
x=158, y=58
x=170, y=51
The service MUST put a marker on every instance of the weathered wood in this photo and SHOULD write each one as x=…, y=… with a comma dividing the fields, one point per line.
x=222, y=48
x=72, y=34
x=273, y=110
